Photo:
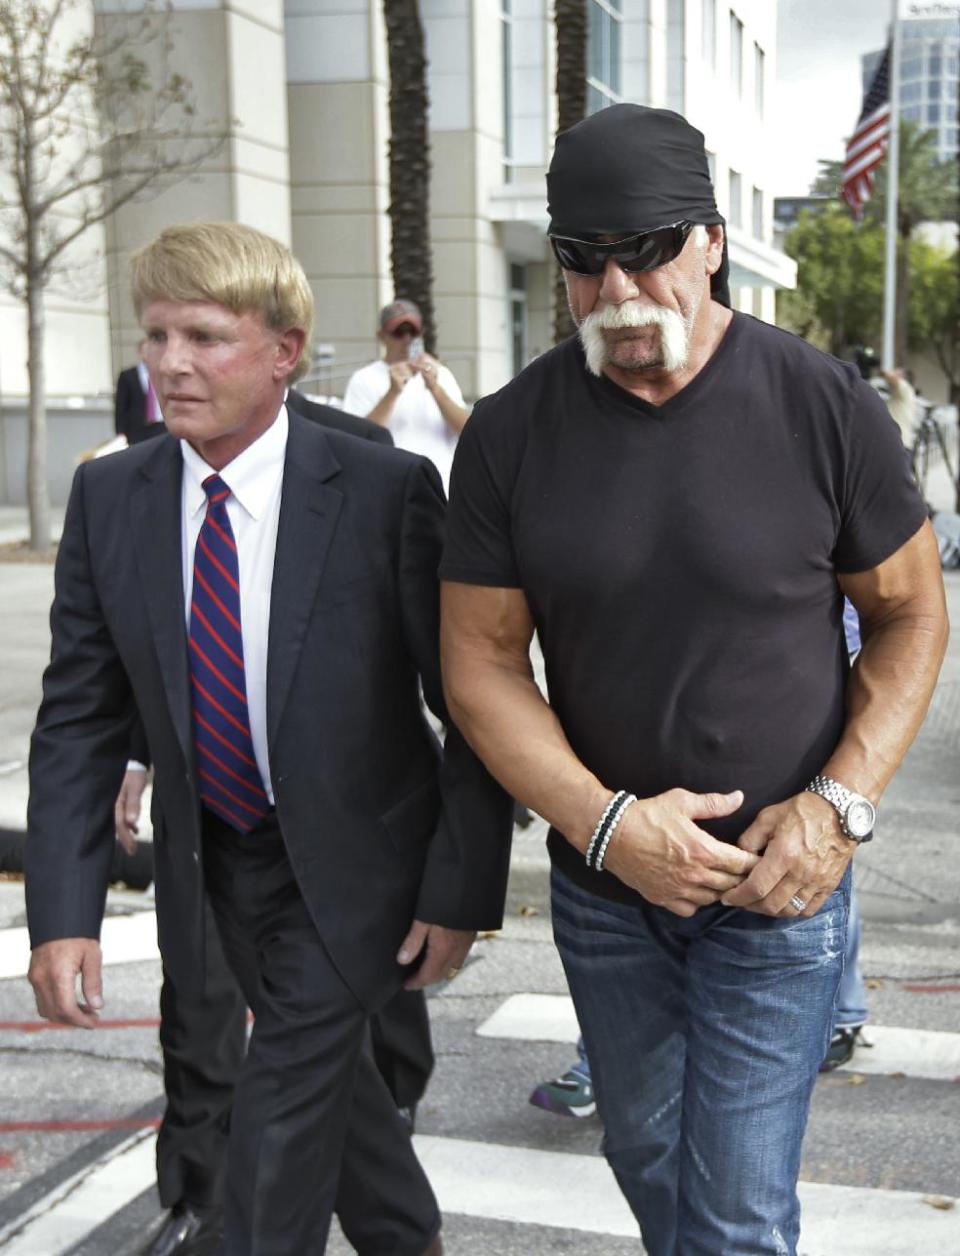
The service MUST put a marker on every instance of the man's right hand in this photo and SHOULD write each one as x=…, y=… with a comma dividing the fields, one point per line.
x=54, y=968
x=126, y=810
x=400, y=375
x=660, y=852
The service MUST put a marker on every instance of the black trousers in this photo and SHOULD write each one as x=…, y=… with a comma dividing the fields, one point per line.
x=204, y=1040
x=314, y=1126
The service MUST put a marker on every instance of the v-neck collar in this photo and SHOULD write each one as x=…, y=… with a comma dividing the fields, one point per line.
x=690, y=392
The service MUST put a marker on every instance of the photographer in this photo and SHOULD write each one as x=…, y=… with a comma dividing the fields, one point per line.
x=408, y=391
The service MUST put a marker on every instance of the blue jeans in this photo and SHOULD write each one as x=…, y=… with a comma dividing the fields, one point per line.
x=852, y=996
x=704, y=1036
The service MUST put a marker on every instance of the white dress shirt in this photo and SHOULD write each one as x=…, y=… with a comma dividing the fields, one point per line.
x=255, y=480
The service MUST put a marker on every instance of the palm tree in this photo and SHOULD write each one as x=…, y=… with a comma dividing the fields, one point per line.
x=411, y=258
x=926, y=192
x=571, y=23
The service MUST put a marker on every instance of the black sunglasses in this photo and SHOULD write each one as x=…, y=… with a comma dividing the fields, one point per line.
x=644, y=251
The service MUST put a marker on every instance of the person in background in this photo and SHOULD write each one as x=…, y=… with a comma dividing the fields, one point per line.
x=409, y=391
x=136, y=411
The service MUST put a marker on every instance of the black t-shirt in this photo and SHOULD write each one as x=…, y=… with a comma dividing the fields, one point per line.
x=680, y=561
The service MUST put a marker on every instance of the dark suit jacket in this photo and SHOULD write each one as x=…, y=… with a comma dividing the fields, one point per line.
x=329, y=416
x=378, y=828
x=130, y=409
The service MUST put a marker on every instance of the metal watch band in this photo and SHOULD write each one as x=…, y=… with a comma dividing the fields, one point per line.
x=840, y=798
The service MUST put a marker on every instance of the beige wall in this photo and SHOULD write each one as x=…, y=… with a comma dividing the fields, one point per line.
x=235, y=60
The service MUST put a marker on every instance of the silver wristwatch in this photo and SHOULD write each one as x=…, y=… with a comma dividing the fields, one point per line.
x=857, y=814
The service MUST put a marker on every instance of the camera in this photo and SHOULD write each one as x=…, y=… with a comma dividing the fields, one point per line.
x=868, y=364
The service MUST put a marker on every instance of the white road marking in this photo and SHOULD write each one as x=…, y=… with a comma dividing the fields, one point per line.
x=513, y=1184
x=124, y=939
x=925, y=1053
x=63, y=1218
x=575, y=1192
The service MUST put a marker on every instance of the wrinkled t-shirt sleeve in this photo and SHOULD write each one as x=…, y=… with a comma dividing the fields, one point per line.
x=479, y=544
x=881, y=507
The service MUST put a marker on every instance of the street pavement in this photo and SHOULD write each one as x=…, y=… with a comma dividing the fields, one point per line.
x=881, y=1168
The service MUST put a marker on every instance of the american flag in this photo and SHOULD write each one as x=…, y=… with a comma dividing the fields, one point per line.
x=867, y=146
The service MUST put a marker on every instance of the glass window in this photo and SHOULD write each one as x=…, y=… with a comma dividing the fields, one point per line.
x=933, y=88
x=736, y=52
x=603, y=53
x=735, y=212
x=910, y=92
x=912, y=112
x=506, y=48
x=933, y=64
x=759, y=69
x=757, y=214
x=933, y=113
x=710, y=33
x=912, y=68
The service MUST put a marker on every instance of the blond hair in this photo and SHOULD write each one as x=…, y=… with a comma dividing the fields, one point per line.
x=232, y=265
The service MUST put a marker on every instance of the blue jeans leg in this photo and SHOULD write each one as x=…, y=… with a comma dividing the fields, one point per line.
x=852, y=996
x=704, y=1036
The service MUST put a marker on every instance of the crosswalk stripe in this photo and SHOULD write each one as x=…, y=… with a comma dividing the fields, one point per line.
x=520, y=1185
x=925, y=1053
x=123, y=939
x=64, y=1217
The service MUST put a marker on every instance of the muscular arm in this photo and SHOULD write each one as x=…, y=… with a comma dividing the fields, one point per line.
x=493, y=698
x=903, y=622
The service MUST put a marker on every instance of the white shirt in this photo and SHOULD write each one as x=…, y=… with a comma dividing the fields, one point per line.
x=415, y=422
x=255, y=480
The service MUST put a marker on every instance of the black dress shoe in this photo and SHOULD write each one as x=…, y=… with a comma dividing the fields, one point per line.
x=188, y=1232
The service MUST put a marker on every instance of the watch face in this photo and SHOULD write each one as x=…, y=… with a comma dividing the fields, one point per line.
x=860, y=818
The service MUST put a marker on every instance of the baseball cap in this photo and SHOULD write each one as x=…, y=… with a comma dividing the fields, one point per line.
x=399, y=312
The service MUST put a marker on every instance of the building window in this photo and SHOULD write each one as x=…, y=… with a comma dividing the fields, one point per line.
x=604, y=18
x=759, y=68
x=910, y=92
x=735, y=197
x=518, y=317
x=913, y=113
x=710, y=33
x=933, y=114
x=506, y=45
x=757, y=214
x=736, y=52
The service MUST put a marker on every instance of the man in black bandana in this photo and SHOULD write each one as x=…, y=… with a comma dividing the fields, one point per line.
x=677, y=500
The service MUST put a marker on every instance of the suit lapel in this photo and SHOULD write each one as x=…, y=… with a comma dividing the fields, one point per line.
x=157, y=524
x=309, y=509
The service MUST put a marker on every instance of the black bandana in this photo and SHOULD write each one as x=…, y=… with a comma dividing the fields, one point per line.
x=627, y=169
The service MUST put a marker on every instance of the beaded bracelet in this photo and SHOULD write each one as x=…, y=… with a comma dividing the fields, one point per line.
x=611, y=829
x=600, y=831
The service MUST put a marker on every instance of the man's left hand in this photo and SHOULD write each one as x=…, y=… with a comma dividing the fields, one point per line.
x=426, y=366
x=803, y=856
x=444, y=951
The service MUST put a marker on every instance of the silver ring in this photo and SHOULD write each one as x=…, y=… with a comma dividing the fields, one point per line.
x=797, y=903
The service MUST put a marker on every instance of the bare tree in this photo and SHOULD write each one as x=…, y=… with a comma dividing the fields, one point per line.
x=92, y=116
x=571, y=24
x=411, y=257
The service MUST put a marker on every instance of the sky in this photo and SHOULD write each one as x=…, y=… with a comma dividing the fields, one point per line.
x=819, y=90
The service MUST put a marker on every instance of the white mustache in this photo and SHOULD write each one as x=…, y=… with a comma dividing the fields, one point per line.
x=673, y=332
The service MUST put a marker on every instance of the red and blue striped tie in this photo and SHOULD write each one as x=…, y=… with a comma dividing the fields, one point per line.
x=230, y=782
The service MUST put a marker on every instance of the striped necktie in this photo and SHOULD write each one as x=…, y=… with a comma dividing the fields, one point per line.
x=230, y=782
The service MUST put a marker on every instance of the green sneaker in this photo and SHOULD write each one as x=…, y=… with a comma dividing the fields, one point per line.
x=569, y=1095
x=845, y=1040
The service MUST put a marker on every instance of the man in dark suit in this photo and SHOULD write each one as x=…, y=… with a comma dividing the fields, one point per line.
x=272, y=627
x=203, y=1039
x=136, y=407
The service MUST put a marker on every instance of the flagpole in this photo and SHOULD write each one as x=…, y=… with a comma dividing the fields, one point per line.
x=893, y=187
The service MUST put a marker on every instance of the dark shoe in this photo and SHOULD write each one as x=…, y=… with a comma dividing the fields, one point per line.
x=845, y=1040
x=187, y=1232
